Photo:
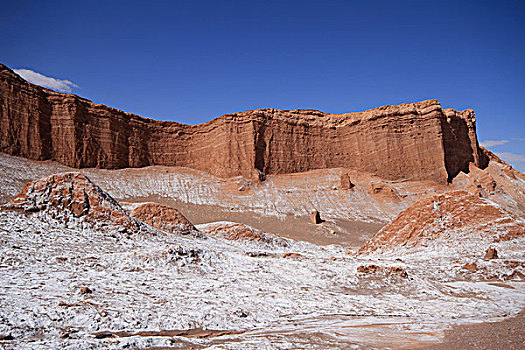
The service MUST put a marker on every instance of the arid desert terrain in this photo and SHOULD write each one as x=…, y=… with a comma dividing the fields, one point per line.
x=118, y=231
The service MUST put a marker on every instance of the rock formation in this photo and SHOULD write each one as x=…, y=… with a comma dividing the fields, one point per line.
x=491, y=253
x=233, y=231
x=418, y=141
x=315, y=218
x=383, y=190
x=449, y=218
x=68, y=196
x=164, y=218
x=373, y=269
x=239, y=232
x=345, y=182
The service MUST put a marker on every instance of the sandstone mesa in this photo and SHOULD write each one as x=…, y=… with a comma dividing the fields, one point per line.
x=412, y=141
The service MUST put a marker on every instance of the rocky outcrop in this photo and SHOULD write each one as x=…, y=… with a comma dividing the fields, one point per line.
x=382, y=270
x=418, y=141
x=233, y=231
x=345, y=182
x=239, y=232
x=164, y=218
x=383, y=191
x=507, y=168
x=491, y=253
x=482, y=183
x=452, y=219
x=70, y=196
x=315, y=218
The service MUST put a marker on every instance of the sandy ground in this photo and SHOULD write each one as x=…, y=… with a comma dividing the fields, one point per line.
x=348, y=233
x=507, y=334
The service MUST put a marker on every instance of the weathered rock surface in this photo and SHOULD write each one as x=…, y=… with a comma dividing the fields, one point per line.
x=164, y=218
x=482, y=182
x=71, y=195
x=453, y=217
x=383, y=190
x=239, y=232
x=345, y=182
x=491, y=253
x=418, y=141
x=507, y=168
x=382, y=270
x=315, y=218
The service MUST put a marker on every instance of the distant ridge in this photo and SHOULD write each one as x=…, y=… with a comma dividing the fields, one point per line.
x=416, y=141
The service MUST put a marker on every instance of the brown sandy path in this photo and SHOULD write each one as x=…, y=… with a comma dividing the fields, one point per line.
x=347, y=233
x=506, y=334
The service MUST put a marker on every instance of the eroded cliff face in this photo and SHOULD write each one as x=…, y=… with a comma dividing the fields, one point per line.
x=416, y=141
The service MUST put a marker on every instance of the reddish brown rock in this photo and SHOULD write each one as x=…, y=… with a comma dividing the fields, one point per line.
x=85, y=290
x=367, y=268
x=382, y=190
x=345, y=183
x=239, y=232
x=382, y=270
x=491, y=253
x=315, y=218
x=235, y=232
x=445, y=216
x=416, y=141
x=164, y=218
x=513, y=271
x=507, y=168
x=472, y=267
x=71, y=194
x=482, y=183
x=291, y=255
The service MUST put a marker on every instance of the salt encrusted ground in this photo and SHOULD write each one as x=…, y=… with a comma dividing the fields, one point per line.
x=155, y=281
x=264, y=296
x=278, y=196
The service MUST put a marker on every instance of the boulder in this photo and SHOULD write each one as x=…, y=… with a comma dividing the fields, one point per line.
x=315, y=218
x=472, y=267
x=382, y=190
x=491, y=253
x=85, y=290
x=345, y=183
x=164, y=218
x=240, y=232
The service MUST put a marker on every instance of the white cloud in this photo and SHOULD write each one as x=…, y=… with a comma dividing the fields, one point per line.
x=42, y=80
x=489, y=143
x=511, y=157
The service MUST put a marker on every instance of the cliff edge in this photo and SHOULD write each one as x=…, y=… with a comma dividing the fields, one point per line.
x=412, y=141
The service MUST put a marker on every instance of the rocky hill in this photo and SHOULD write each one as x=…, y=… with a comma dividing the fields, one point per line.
x=69, y=197
x=455, y=220
x=416, y=141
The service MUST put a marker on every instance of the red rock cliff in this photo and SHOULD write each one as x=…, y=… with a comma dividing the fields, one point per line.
x=418, y=141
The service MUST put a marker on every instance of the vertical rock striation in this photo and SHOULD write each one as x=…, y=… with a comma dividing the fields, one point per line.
x=417, y=141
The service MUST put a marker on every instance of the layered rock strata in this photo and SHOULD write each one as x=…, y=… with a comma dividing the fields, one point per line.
x=164, y=218
x=451, y=218
x=418, y=141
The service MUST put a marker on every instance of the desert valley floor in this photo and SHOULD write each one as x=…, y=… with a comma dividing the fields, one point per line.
x=253, y=273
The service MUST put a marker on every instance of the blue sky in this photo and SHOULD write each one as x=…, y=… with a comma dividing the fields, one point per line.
x=190, y=61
